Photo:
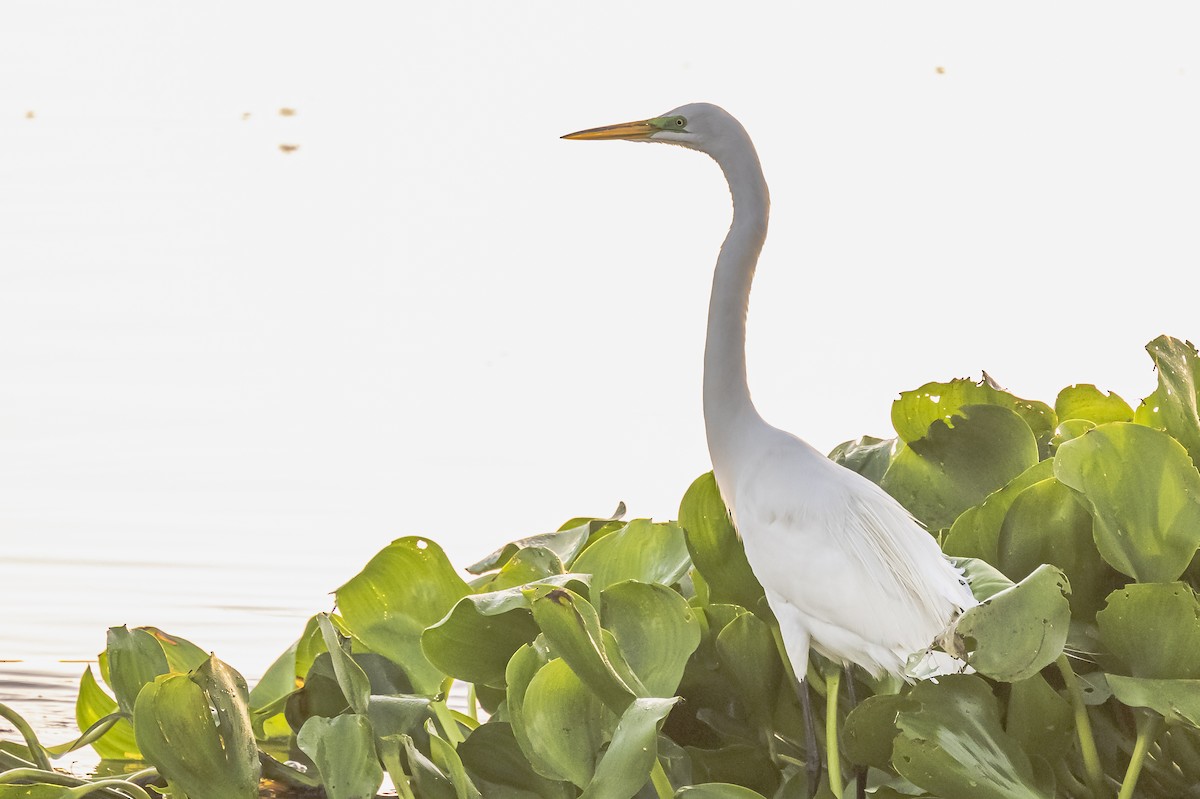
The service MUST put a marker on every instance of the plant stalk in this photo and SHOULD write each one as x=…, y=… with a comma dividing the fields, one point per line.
x=1083, y=729
x=40, y=758
x=1148, y=727
x=658, y=778
x=833, y=761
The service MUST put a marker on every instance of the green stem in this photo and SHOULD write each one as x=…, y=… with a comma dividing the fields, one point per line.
x=1148, y=727
x=1083, y=729
x=79, y=787
x=658, y=778
x=40, y=758
x=833, y=681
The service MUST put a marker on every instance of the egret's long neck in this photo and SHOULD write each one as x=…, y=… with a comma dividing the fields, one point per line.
x=729, y=412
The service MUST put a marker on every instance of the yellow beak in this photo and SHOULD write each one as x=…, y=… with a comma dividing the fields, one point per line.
x=625, y=130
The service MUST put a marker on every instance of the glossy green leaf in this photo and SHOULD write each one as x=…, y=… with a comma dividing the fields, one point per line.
x=135, y=658
x=960, y=462
x=93, y=704
x=492, y=752
x=915, y=411
x=476, y=639
x=400, y=715
x=350, y=676
x=343, y=749
x=1175, y=400
x=953, y=745
x=564, y=724
x=522, y=667
x=625, y=765
x=656, y=630
x=404, y=589
x=1085, y=401
x=446, y=758
x=871, y=727
x=428, y=781
x=1040, y=719
x=1021, y=630
x=748, y=655
x=196, y=730
x=1144, y=494
x=984, y=579
x=1048, y=524
x=1154, y=630
x=182, y=655
x=641, y=550
x=976, y=531
x=717, y=790
x=869, y=456
x=572, y=628
x=715, y=548
x=1175, y=700
x=527, y=565
x=566, y=542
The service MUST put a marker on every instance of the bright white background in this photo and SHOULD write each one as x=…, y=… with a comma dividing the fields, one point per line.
x=435, y=317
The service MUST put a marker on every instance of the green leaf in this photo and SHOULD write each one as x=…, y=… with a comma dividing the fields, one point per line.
x=641, y=550
x=715, y=548
x=984, y=579
x=524, y=664
x=1047, y=524
x=492, y=753
x=476, y=639
x=869, y=456
x=182, y=655
x=1144, y=494
x=566, y=543
x=1040, y=719
x=953, y=744
x=350, y=676
x=93, y=704
x=656, y=630
x=748, y=655
x=1175, y=700
x=1085, y=401
x=625, y=765
x=400, y=715
x=429, y=781
x=572, y=628
x=1175, y=400
x=404, y=589
x=959, y=462
x=343, y=749
x=196, y=730
x=1154, y=630
x=1021, y=630
x=976, y=531
x=527, y=565
x=449, y=763
x=717, y=790
x=871, y=727
x=135, y=658
x=564, y=722
x=915, y=411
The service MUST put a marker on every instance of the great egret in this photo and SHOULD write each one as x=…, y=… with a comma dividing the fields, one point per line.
x=846, y=569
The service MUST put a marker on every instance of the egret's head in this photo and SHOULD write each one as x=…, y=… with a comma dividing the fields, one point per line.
x=700, y=126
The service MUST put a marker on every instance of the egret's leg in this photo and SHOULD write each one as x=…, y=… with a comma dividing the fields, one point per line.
x=833, y=679
x=812, y=756
x=860, y=772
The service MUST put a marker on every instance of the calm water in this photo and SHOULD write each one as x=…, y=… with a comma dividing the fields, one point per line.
x=55, y=613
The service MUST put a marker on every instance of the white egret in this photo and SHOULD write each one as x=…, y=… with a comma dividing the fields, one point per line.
x=846, y=569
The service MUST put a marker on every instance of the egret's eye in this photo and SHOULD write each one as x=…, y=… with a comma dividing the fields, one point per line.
x=680, y=122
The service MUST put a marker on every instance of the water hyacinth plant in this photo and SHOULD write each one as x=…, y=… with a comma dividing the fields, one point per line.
x=613, y=659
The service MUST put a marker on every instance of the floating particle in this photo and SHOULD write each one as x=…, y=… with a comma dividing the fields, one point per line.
x=289, y=148
x=941, y=70
x=287, y=112
x=29, y=115
x=245, y=115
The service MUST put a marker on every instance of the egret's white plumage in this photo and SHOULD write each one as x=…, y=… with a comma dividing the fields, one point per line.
x=847, y=570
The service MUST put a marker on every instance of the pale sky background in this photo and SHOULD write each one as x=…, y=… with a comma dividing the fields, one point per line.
x=434, y=317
